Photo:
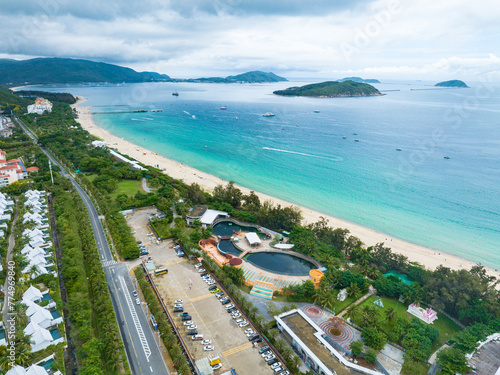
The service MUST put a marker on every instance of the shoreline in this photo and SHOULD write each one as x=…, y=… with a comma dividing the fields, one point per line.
x=428, y=257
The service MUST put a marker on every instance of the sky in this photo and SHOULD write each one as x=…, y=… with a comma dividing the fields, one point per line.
x=398, y=39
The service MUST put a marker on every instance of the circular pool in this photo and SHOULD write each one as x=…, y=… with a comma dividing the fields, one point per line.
x=286, y=264
x=227, y=228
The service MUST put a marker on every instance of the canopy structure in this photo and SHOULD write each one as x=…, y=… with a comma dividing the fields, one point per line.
x=284, y=246
x=253, y=239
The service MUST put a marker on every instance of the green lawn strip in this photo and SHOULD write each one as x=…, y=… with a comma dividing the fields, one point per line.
x=128, y=187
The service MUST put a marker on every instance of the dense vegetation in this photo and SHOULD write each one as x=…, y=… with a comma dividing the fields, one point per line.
x=63, y=97
x=9, y=101
x=452, y=83
x=249, y=77
x=359, y=79
x=331, y=89
x=62, y=70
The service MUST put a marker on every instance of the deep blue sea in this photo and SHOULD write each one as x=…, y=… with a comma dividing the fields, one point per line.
x=451, y=205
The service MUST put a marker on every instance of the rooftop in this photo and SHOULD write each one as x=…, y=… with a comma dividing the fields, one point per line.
x=487, y=359
x=197, y=211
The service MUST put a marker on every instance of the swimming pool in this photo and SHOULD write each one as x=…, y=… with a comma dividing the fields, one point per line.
x=285, y=264
x=226, y=246
x=55, y=333
x=227, y=228
x=401, y=276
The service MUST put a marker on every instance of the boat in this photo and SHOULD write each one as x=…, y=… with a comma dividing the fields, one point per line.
x=157, y=110
x=223, y=108
x=344, y=137
x=356, y=140
x=316, y=111
x=399, y=149
x=175, y=93
x=354, y=133
x=268, y=114
x=447, y=157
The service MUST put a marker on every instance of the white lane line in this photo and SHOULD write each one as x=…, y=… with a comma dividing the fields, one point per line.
x=150, y=368
x=138, y=327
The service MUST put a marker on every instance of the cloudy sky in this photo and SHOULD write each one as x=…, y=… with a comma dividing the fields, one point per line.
x=424, y=39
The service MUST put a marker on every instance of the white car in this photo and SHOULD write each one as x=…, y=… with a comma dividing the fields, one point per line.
x=178, y=305
x=249, y=331
x=243, y=324
x=198, y=265
x=276, y=365
x=192, y=326
x=211, y=283
x=178, y=301
x=206, y=342
x=188, y=323
x=230, y=306
x=208, y=348
x=236, y=315
x=201, y=270
x=134, y=293
x=265, y=354
x=137, y=301
x=217, y=366
x=269, y=357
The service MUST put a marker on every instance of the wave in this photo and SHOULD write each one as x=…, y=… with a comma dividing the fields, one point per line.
x=186, y=112
x=336, y=158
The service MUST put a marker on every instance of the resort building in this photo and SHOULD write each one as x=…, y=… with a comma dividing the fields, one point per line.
x=11, y=170
x=5, y=127
x=308, y=339
x=206, y=216
x=43, y=367
x=486, y=358
x=6, y=212
x=40, y=107
x=134, y=164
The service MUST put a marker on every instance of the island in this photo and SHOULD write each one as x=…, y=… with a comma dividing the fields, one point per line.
x=359, y=79
x=255, y=76
x=452, y=83
x=331, y=89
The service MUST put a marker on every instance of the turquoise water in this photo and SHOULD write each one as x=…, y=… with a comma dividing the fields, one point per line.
x=401, y=276
x=226, y=246
x=299, y=155
x=56, y=334
x=227, y=228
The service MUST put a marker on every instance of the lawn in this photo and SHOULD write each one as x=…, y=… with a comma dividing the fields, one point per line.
x=445, y=325
x=341, y=305
x=128, y=187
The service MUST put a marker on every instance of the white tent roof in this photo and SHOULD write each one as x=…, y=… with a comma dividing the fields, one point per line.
x=284, y=246
x=210, y=215
x=253, y=238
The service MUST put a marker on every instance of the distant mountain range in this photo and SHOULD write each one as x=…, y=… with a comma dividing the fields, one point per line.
x=452, y=83
x=359, y=80
x=331, y=89
x=255, y=76
x=62, y=70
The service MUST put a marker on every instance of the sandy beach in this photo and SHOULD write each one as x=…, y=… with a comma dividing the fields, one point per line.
x=428, y=257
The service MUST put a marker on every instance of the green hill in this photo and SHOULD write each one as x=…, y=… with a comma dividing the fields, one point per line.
x=452, y=83
x=255, y=76
x=359, y=79
x=331, y=89
x=61, y=70
x=8, y=100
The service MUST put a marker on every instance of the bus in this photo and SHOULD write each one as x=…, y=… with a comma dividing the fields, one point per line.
x=160, y=271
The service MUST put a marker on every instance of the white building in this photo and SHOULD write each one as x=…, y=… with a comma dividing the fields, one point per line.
x=40, y=107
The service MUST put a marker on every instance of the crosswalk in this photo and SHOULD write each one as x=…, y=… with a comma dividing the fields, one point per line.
x=237, y=349
x=108, y=263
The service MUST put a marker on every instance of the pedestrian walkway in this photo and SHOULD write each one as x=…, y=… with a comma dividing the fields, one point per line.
x=262, y=292
x=237, y=349
x=108, y=263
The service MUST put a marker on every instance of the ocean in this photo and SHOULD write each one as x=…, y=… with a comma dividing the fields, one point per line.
x=301, y=155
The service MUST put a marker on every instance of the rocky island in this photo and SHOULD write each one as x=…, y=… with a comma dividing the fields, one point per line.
x=452, y=83
x=331, y=89
x=255, y=76
x=359, y=79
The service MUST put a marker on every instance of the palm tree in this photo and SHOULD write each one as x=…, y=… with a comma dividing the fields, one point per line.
x=280, y=344
x=295, y=360
x=287, y=352
x=294, y=306
x=352, y=311
x=391, y=314
x=353, y=290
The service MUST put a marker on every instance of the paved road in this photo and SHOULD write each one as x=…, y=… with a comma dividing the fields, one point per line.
x=143, y=353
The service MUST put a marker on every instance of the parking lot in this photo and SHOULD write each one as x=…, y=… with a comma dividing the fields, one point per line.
x=184, y=282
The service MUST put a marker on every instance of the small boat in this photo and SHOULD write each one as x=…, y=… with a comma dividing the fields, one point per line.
x=175, y=93
x=223, y=108
x=354, y=133
x=356, y=140
x=268, y=114
x=316, y=111
x=344, y=137
x=447, y=157
x=157, y=110
x=399, y=149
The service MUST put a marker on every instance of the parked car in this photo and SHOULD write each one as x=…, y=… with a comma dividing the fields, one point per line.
x=192, y=333
x=137, y=301
x=178, y=309
x=240, y=320
x=236, y=315
x=269, y=358
x=224, y=301
x=178, y=305
x=211, y=282
x=219, y=294
x=216, y=290
x=204, y=274
x=275, y=365
x=192, y=326
x=264, y=349
x=278, y=370
x=184, y=314
x=257, y=340
x=134, y=293
x=266, y=353
x=249, y=331
x=197, y=337
x=198, y=265
x=206, y=342
x=178, y=301
x=185, y=318
x=208, y=348
x=188, y=323
x=244, y=324
x=251, y=338
x=217, y=366
x=232, y=310
x=284, y=373
x=212, y=288
x=229, y=306
x=273, y=362
x=202, y=270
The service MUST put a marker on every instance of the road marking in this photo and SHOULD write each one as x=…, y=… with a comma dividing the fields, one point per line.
x=237, y=349
x=200, y=297
x=150, y=369
x=140, y=332
x=107, y=263
x=176, y=262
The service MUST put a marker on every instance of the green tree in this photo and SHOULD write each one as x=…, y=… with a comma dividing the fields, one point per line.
x=356, y=347
x=374, y=338
x=371, y=355
x=391, y=314
x=452, y=361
